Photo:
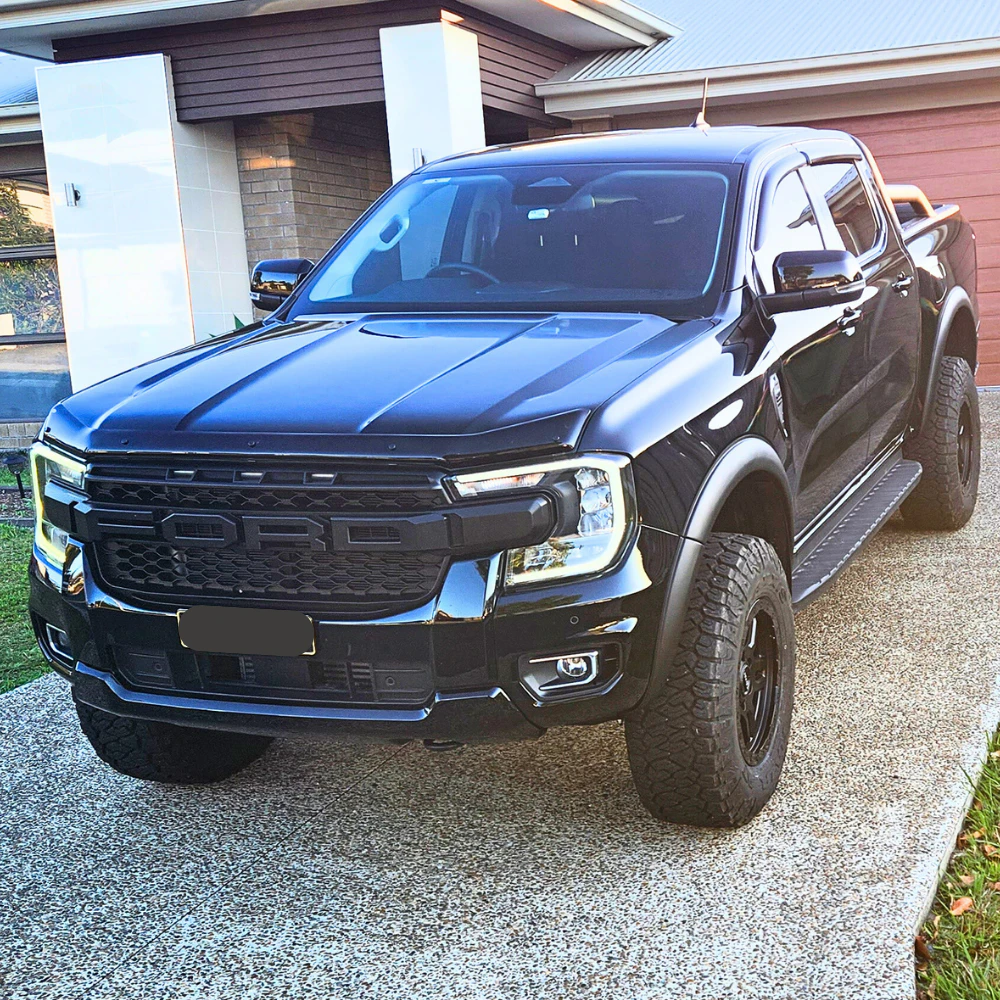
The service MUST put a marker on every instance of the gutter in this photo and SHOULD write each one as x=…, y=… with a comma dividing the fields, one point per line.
x=854, y=71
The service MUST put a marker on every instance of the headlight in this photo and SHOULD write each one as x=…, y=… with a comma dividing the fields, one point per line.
x=49, y=465
x=594, y=512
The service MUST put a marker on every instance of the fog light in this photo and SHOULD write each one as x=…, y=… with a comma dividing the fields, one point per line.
x=59, y=643
x=575, y=668
x=549, y=675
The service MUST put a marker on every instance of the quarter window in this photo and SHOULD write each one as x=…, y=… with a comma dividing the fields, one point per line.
x=841, y=186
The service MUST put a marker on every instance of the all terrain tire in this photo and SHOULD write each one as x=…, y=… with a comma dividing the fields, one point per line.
x=707, y=745
x=948, y=449
x=159, y=751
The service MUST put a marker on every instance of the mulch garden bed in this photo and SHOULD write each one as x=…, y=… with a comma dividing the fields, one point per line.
x=13, y=508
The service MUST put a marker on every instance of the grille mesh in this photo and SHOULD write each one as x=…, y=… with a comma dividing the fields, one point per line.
x=265, y=498
x=287, y=573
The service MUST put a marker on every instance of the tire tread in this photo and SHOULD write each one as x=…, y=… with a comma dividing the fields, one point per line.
x=681, y=739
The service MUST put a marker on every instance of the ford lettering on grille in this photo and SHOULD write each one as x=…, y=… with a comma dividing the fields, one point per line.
x=219, y=531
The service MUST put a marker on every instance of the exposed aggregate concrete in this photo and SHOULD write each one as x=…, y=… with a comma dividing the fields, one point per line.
x=528, y=871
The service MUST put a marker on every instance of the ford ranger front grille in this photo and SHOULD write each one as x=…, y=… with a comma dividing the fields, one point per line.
x=175, y=535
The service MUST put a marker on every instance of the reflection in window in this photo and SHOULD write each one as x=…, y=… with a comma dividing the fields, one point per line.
x=852, y=212
x=33, y=370
x=789, y=224
x=29, y=297
x=25, y=213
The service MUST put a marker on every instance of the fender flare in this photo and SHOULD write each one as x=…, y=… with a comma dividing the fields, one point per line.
x=740, y=459
x=956, y=299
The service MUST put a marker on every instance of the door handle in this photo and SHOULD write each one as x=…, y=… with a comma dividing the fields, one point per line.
x=902, y=283
x=848, y=320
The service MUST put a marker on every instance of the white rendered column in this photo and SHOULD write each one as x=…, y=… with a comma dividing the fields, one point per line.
x=147, y=215
x=433, y=93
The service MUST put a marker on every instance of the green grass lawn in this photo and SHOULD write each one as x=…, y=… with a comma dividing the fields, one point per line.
x=20, y=660
x=963, y=932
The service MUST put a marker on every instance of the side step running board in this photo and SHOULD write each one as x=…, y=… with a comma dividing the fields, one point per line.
x=838, y=548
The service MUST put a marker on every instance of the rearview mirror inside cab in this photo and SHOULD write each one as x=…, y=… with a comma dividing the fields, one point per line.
x=805, y=279
x=273, y=281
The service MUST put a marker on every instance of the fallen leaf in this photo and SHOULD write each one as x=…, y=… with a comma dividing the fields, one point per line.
x=995, y=886
x=995, y=754
x=989, y=850
x=960, y=905
x=979, y=834
x=967, y=879
x=922, y=949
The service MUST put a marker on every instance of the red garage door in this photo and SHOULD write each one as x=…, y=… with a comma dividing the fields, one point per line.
x=954, y=155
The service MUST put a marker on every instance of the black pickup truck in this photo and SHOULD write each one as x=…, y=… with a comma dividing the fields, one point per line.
x=558, y=433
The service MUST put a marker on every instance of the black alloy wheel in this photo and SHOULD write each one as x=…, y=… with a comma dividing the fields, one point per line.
x=759, y=685
x=965, y=444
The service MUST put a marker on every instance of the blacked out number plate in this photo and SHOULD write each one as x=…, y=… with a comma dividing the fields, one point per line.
x=247, y=631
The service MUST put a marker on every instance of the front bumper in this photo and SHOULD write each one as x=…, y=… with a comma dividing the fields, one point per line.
x=448, y=670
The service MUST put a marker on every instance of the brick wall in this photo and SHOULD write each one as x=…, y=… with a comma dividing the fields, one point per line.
x=17, y=436
x=306, y=177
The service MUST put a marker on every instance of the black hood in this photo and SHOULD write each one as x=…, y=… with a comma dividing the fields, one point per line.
x=440, y=387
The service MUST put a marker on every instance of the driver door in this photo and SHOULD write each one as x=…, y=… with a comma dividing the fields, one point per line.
x=823, y=365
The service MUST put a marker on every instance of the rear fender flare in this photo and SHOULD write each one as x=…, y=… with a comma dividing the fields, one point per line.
x=956, y=300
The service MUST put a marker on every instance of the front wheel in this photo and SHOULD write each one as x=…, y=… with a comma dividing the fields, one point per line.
x=948, y=450
x=159, y=751
x=707, y=746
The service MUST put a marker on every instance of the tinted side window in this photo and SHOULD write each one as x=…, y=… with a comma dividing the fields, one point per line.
x=789, y=224
x=842, y=187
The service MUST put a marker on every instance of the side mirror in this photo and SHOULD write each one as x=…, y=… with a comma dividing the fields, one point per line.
x=805, y=279
x=273, y=281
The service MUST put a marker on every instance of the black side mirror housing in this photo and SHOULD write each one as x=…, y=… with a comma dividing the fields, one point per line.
x=273, y=281
x=806, y=279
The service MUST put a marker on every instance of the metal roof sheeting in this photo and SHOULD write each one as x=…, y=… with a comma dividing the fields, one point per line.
x=17, y=80
x=718, y=33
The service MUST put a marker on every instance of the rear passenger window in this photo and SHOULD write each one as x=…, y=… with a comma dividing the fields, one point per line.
x=841, y=186
x=789, y=223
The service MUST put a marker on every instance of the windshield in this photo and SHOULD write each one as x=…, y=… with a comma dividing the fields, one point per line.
x=594, y=237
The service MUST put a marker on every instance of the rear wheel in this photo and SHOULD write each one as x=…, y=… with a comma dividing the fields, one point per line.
x=948, y=450
x=707, y=747
x=159, y=751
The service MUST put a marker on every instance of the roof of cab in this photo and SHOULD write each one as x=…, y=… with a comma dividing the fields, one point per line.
x=724, y=144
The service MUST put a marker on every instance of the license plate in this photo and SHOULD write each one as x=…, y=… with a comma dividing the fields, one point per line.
x=247, y=631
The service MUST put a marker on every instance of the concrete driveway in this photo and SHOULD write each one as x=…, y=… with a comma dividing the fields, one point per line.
x=528, y=871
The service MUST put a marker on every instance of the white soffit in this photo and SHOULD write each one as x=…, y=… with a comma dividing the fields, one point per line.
x=27, y=27
x=590, y=25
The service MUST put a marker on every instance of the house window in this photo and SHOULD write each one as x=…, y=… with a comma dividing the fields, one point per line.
x=34, y=373
x=29, y=283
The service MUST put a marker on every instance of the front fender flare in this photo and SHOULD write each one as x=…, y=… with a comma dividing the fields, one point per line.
x=740, y=459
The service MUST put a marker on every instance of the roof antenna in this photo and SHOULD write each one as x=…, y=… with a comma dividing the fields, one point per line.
x=700, y=123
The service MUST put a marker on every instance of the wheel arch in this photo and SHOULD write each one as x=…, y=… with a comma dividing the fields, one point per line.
x=956, y=336
x=746, y=490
